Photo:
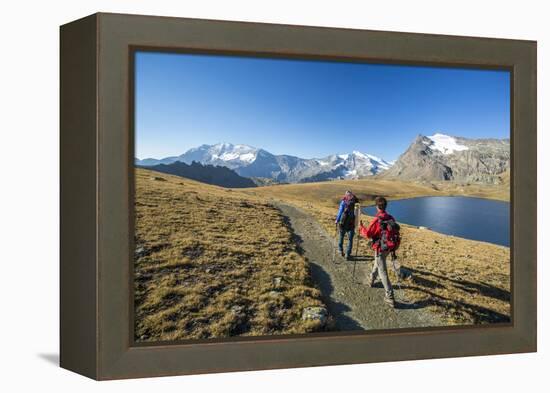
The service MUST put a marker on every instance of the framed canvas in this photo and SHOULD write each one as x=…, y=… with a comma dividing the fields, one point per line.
x=244, y=196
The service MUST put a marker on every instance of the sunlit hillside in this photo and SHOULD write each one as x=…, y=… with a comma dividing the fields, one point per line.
x=212, y=262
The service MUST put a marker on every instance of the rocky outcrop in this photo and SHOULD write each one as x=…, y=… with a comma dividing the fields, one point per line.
x=442, y=157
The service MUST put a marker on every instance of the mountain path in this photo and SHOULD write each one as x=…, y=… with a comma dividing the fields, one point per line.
x=352, y=304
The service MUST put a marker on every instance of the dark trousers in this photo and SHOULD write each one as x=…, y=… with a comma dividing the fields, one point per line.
x=350, y=233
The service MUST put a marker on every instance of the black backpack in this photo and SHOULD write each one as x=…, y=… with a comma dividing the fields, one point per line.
x=347, y=219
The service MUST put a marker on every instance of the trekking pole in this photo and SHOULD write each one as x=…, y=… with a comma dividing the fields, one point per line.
x=353, y=274
x=398, y=275
x=357, y=228
x=335, y=243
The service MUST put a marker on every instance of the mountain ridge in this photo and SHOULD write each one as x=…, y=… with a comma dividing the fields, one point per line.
x=439, y=157
x=209, y=174
x=248, y=161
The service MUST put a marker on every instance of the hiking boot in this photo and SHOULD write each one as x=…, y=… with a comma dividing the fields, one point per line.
x=342, y=253
x=348, y=257
x=388, y=299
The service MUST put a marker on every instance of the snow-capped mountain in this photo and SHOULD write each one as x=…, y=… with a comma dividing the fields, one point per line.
x=224, y=154
x=444, y=157
x=249, y=161
x=353, y=165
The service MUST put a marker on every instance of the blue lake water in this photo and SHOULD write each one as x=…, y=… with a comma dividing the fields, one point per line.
x=471, y=218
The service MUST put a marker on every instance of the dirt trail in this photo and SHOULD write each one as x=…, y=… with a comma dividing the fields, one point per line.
x=354, y=305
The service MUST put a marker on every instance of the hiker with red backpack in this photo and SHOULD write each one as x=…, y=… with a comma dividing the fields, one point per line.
x=345, y=220
x=384, y=232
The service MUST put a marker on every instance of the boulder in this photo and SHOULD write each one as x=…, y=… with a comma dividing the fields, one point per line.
x=274, y=294
x=277, y=281
x=140, y=252
x=238, y=310
x=315, y=314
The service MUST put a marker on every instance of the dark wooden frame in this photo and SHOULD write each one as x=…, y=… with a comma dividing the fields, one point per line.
x=97, y=195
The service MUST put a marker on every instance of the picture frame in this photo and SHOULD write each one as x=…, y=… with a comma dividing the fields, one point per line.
x=96, y=195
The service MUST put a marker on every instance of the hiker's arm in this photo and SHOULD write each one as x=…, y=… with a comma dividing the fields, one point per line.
x=362, y=230
x=340, y=211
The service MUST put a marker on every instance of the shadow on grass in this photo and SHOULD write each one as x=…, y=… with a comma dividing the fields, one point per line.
x=477, y=314
x=362, y=258
x=468, y=286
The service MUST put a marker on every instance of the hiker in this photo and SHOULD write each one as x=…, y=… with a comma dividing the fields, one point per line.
x=384, y=232
x=345, y=219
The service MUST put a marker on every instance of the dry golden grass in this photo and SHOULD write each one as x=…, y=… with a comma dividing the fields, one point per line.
x=499, y=192
x=464, y=281
x=212, y=262
x=329, y=193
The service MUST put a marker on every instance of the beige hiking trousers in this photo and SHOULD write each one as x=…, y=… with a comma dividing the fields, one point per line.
x=380, y=268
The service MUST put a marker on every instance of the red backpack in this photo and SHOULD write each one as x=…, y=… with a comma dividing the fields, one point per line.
x=385, y=232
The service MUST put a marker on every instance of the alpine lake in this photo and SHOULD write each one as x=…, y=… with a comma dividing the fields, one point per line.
x=470, y=218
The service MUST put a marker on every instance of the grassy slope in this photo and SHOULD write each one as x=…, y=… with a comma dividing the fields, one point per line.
x=207, y=263
x=465, y=281
x=329, y=193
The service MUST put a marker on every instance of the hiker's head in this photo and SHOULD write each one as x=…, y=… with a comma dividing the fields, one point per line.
x=348, y=195
x=381, y=203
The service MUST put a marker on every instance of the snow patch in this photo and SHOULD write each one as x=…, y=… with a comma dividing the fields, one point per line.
x=248, y=157
x=229, y=152
x=228, y=156
x=352, y=173
x=445, y=144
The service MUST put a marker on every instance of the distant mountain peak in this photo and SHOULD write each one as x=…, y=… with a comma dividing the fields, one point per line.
x=444, y=157
x=371, y=157
x=359, y=154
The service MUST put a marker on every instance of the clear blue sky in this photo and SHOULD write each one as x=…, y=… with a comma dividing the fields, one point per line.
x=309, y=108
